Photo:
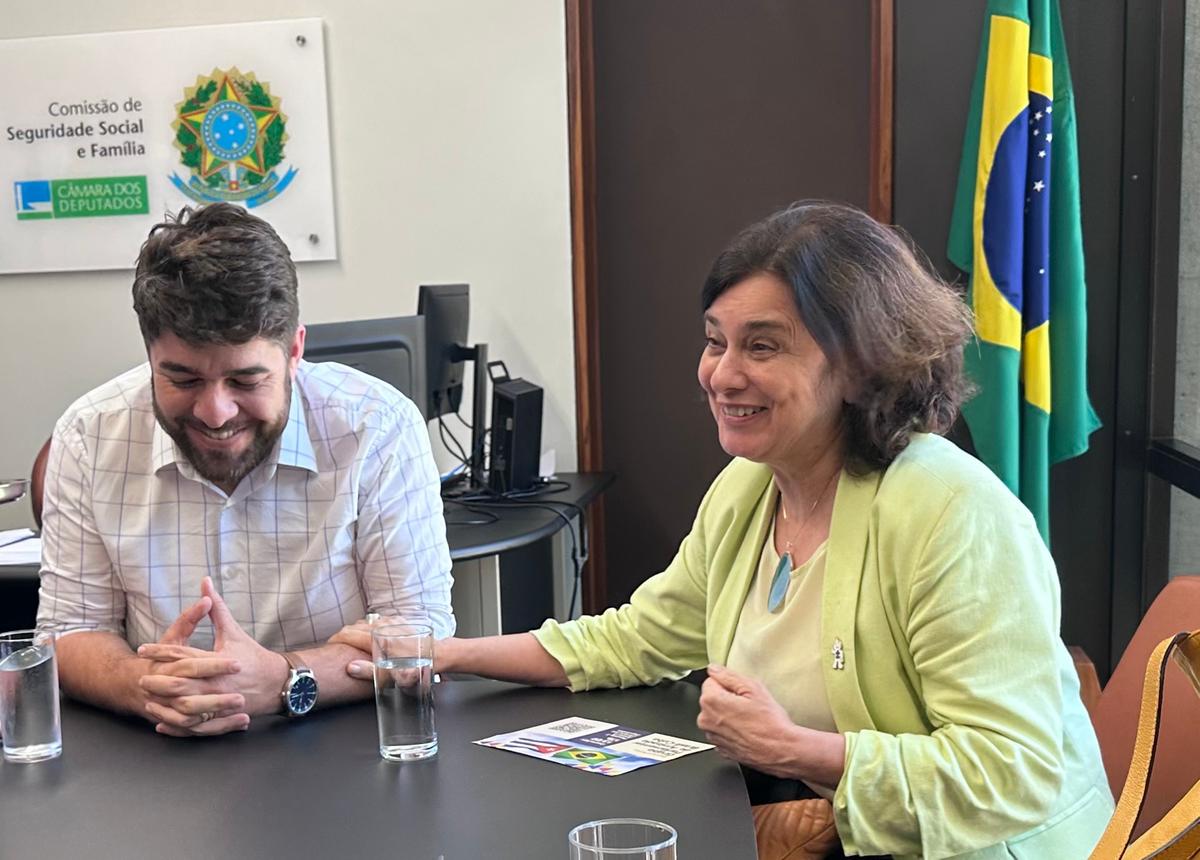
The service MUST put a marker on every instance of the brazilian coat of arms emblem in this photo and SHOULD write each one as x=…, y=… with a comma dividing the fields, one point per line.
x=231, y=134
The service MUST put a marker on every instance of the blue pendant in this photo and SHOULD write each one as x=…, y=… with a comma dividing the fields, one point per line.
x=779, y=582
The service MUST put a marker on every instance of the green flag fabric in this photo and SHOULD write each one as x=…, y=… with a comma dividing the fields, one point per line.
x=1016, y=231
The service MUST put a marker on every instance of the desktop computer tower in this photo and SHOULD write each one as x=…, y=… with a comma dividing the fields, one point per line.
x=516, y=435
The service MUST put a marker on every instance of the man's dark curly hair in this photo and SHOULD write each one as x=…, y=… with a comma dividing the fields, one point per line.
x=216, y=275
x=877, y=311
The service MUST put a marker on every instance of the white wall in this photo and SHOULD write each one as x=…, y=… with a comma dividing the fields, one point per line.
x=449, y=131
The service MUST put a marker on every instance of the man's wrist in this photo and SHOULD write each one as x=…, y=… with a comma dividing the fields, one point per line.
x=276, y=678
x=133, y=668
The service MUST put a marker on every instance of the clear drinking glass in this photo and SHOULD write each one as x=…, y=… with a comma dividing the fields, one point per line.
x=29, y=715
x=402, y=655
x=623, y=839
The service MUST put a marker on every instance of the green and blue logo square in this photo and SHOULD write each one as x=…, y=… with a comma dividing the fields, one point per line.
x=33, y=199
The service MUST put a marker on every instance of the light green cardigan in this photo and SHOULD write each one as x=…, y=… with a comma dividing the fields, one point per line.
x=965, y=733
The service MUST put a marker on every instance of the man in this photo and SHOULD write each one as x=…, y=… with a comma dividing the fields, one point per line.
x=227, y=507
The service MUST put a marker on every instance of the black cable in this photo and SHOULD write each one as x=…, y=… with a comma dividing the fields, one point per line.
x=488, y=515
x=484, y=446
x=575, y=591
x=456, y=449
x=504, y=500
x=537, y=490
x=546, y=486
x=578, y=542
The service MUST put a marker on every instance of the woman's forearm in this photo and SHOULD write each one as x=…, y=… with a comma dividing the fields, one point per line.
x=515, y=657
x=818, y=757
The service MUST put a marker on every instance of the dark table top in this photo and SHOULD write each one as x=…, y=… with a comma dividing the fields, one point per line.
x=317, y=787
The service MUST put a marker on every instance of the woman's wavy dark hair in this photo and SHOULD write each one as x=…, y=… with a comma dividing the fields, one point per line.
x=873, y=304
x=216, y=275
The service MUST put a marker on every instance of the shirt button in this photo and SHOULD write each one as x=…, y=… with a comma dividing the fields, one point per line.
x=231, y=573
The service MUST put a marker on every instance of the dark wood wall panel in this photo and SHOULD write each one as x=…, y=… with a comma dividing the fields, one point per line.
x=1081, y=490
x=709, y=115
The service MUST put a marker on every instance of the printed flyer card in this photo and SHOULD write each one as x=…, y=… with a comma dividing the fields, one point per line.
x=604, y=748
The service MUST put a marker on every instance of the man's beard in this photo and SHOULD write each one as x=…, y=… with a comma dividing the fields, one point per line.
x=223, y=468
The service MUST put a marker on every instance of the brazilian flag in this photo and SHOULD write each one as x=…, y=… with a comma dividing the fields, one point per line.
x=1016, y=230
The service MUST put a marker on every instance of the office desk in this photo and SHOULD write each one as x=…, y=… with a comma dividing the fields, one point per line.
x=512, y=574
x=520, y=523
x=537, y=575
x=317, y=787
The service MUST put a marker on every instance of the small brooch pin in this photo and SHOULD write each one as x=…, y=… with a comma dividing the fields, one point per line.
x=839, y=654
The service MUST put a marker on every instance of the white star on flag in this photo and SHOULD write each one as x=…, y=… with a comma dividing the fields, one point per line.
x=1037, y=115
x=1049, y=138
x=1049, y=108
x=1039, y=185
x=1041, y=153
x=1035, y=132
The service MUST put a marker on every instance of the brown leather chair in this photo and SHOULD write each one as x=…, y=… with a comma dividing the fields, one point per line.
x=37, y=482
x=1114, y=710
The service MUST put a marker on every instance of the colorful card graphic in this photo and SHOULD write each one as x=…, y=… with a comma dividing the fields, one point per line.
x=598, y=747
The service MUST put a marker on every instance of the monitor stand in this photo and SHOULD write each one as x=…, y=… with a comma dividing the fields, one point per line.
x=479, y=416
x=476, y=476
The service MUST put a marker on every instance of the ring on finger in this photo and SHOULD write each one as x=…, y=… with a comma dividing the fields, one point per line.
x=206, y=716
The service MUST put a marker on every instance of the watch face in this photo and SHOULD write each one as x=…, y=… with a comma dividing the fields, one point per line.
x=302, y=695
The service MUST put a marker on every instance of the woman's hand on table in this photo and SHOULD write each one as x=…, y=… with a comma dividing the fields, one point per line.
x=745, y=723
x=358, y=635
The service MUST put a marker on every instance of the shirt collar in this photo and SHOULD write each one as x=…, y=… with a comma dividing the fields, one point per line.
x=166, y=451
x=294, y=446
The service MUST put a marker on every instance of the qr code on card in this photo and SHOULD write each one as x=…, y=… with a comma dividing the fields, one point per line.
x=572, y=726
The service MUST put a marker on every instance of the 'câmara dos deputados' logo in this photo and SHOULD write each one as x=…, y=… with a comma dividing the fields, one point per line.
x=230, y=133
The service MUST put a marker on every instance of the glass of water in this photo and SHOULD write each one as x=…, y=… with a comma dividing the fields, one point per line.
x=402, y=654
x=29, y=717
x=623, y=839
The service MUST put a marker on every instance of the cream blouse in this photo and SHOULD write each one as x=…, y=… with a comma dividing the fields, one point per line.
x=782, y=649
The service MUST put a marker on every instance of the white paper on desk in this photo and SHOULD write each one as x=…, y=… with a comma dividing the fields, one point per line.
x=20, y=546
x=11, y=535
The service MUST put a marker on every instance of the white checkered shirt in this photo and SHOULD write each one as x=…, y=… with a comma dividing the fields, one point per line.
x=344, y=517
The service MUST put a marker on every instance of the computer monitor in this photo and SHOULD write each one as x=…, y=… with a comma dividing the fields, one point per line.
x=391, y=349
x=446, y=309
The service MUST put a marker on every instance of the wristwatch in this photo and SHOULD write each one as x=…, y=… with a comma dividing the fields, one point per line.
x=300, y=690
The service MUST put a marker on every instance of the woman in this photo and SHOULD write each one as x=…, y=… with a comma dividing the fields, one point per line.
x=878, y=613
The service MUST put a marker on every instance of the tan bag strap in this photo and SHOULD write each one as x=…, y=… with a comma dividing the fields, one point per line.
x=1115, y=840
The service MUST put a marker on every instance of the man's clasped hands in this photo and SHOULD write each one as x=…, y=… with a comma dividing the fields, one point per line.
x=191, y=691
